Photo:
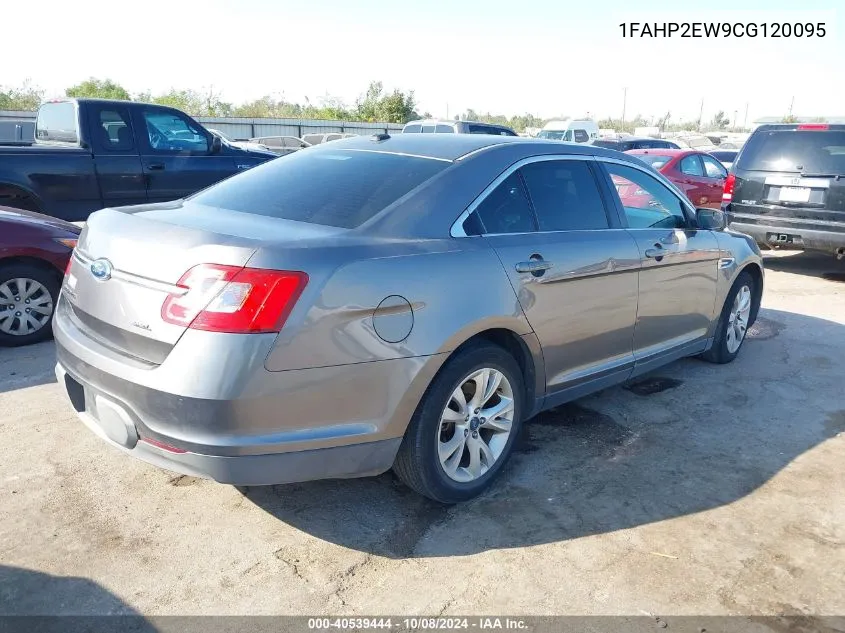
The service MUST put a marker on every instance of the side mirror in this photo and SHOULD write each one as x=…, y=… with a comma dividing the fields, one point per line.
x=710, y=219
x=216, y=144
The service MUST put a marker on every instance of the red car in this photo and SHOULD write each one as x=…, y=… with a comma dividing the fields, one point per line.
x=700, y=176
x=34, y=251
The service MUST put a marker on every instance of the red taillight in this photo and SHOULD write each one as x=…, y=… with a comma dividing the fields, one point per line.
x=728, y=192
x=162, y=445
x=814, y=126
x=69, y=265
x=232, y=299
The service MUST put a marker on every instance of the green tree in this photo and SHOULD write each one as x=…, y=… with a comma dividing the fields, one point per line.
x=194, y=103
x=789, y=118
x=26, y=97
x=98, y=88
x=396, y=107
x=720, y=120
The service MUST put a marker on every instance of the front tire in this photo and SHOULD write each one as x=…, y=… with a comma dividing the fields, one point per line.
x=28, y=296
x=465, y=427
x=734, y=321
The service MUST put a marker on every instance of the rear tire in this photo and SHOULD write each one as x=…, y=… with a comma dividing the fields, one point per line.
x=734, y=321
x=17, y=326
x=448, y=454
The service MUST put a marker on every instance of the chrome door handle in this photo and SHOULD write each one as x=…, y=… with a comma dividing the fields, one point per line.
x=533, y=266
x=655, y=253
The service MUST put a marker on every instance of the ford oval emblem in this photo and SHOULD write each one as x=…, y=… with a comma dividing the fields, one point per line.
x=101, y=269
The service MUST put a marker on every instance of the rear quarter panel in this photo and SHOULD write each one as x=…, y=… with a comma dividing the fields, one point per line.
x=443, y=292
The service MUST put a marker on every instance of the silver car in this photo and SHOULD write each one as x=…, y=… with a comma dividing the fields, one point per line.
x=381, y=302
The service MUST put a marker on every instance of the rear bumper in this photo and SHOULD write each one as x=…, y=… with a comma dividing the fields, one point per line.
x=816, y=240
x=116, y=421
x=210, y=412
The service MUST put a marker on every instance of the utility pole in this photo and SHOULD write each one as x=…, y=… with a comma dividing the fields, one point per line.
x=700, y=113
x=624, y=102
x=791, y=103
x=447, y=110
x=734, y=125
x=745, y=120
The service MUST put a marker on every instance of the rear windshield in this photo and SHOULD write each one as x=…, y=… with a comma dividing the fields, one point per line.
x=608, y=144
x=809, y=151
x=56, y=123
x=341, y=188
x=724, y=155
x=654, y=160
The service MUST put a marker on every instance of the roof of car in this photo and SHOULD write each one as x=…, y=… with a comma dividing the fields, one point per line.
x=454, y=146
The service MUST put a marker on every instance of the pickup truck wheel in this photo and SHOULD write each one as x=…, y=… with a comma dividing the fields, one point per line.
x=28, y=296
x=465, y=427
x=734, y=321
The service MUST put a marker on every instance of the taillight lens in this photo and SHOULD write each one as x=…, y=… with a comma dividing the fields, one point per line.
x=231, y=299
x=728, y=192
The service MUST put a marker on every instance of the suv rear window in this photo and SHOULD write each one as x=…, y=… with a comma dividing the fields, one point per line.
x=331, y=187
x=811, y=151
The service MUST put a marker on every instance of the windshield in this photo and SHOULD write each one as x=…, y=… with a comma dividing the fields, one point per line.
x=556, y=135
x=813, y=151
x=331, y=187
x=654, y=160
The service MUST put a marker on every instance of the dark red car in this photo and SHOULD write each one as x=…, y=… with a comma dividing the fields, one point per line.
x=34, y=251
x=700, y=176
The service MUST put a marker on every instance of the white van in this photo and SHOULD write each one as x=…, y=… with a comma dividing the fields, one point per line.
x=578, y=131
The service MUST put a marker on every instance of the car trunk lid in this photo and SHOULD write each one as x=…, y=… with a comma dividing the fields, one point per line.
x=130, y=260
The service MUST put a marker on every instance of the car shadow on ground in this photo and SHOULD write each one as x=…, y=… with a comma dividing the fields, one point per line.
x=810, y=263
x=689, y=438
x=35, y=601
x=27, y=366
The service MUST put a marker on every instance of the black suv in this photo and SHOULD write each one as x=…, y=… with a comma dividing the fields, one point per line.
x=787, y=187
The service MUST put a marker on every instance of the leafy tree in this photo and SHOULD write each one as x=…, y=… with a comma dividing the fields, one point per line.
x=26, y=97
x=396, y=107
x=789, y=118
x=98, y=88
x=194, y=103
x=720, y=120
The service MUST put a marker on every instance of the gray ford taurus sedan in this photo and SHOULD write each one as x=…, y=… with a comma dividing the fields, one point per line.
x=381, y=302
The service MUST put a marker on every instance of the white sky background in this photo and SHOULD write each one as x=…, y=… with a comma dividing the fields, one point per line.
x=539, y=56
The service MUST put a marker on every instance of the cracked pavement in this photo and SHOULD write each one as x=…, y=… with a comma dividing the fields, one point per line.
x=706, y=490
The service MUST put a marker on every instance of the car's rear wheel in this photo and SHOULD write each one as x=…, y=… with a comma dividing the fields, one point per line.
x=465, y=427
x=734, y=321
x=28, y=295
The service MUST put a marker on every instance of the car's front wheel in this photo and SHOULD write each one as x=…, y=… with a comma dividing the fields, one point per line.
x=465, y=427
x=28, y=296
x=734, y=321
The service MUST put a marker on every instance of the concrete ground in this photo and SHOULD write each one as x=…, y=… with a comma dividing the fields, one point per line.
x=703, y=490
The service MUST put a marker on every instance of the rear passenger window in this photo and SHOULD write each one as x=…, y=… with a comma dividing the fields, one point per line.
x=691, y=165
x=565, y=196
x=505, y=210
x=416, y=129
x=114, y=133
x=444, y=129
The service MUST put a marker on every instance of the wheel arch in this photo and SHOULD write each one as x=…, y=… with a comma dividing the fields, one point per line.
x=756, y=272
x=12, y=190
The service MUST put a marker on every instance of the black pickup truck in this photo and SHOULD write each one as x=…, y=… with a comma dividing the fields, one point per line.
x=92, y=153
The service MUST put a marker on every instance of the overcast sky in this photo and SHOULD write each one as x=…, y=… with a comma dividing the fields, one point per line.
x=538, y=56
